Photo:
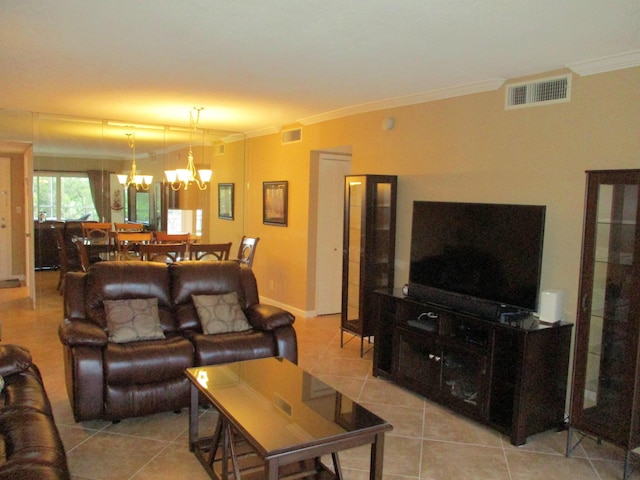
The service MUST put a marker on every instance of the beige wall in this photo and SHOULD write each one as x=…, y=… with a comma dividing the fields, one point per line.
x=227, y=168
x=460, y=149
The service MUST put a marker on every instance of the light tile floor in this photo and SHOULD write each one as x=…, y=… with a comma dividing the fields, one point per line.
x=427, y=442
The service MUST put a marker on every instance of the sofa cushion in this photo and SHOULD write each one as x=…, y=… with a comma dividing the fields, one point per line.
x=147, y=361
x=13, y=359
x=220, y=313
x=133, y=319
x=33, y=445
x=232, y=347
x=202, y=278
x=127, y=280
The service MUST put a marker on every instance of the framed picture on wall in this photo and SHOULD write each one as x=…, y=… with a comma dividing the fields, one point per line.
x=225, y=201
x=274, y=203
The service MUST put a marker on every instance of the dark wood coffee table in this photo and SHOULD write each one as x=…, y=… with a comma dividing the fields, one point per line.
x=276, y=421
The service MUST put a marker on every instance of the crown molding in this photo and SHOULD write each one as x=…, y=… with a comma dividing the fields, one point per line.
x=606, y=64
x=588, y=67
x=236, y=137
x=433, y=95
x=262, y=131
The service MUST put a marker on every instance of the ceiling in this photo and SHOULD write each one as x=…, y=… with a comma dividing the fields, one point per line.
x=257, y=64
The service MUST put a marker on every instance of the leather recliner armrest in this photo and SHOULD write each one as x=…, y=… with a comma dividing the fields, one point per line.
x=267, y=317
x=13, y=359
x=74, y=332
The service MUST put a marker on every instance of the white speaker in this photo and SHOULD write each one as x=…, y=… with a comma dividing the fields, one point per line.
x=551, y=306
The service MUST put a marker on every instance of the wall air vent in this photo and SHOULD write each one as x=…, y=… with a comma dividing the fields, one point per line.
x=538, y=92
x=290, y=136
x=218, y=149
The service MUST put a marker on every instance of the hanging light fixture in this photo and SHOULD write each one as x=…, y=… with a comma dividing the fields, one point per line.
x=183, y=177
x=141, y=182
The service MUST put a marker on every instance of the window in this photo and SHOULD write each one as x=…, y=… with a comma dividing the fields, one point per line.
x=63, y=196
x=185, y=221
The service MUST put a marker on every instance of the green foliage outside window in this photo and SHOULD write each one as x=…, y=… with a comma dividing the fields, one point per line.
x=62, y=196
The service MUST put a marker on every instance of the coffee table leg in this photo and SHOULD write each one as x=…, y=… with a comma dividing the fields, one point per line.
x=193, y=418
x=336, y=465
x=377, y=456
x=272, y=471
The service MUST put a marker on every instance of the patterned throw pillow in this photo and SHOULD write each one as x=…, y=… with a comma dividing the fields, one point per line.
x=220, y=313
x=133, y=319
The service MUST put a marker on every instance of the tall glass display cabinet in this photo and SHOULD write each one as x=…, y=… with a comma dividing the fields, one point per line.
x=605, y=397
x=369, y=250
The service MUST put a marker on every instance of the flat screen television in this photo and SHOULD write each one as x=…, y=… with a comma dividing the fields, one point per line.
x=481, y=258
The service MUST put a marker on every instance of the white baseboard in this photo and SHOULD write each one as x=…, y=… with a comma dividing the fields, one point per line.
x=295, y=311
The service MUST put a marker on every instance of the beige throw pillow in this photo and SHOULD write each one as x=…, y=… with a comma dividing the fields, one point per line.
x=220, y=313
x=133, y=319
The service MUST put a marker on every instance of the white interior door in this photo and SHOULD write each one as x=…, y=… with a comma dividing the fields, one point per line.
x=332, y=170
x=5, y=218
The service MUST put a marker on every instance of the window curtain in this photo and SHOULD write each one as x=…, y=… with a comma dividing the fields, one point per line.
x=100, y=184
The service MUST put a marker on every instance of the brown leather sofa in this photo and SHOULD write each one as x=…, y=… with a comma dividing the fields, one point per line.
x=32, y=445
x=112, y=381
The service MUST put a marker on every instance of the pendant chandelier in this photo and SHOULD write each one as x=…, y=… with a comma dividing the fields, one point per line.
x=183, y=177
x=141, y=182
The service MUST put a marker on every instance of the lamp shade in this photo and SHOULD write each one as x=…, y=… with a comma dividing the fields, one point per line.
x=184, y=175
x=205, y=175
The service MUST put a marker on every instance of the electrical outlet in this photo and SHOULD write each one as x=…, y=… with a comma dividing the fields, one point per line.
x=271, y=284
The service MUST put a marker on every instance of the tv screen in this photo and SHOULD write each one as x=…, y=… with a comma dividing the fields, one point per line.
x=492, y=252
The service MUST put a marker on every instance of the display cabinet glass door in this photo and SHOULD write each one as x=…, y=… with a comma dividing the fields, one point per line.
x=354, y=251
x=604, y=395
x=610, y=332
x=369, y=249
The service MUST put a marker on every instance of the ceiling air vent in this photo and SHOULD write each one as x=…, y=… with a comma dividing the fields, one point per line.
x=539, y=92
x=290, y=136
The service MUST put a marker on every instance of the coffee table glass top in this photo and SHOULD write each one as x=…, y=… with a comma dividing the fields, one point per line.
x=279, y=405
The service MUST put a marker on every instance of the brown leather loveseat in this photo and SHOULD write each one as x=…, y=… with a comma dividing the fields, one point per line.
x=117, y=369
x=33, y=449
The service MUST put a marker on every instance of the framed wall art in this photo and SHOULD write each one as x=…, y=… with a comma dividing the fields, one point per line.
x=274, y=203
x=225, y=201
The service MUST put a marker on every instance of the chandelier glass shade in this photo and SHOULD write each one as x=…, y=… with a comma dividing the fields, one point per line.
x=181, y=178
x=141, y=182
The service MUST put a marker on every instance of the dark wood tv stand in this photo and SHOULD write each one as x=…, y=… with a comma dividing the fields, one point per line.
x=510, y=376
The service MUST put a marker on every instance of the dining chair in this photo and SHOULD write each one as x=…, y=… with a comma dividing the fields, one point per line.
x=96, y=232
x=163, y=252
x=164, y=237
x=99, y=233
x=66, y=263
x=128, y=243
x=247, y=250
x=209, y=251
x=128, y=227
x=83, y=255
